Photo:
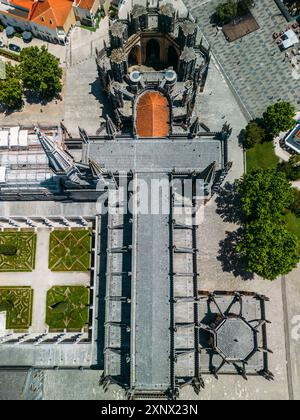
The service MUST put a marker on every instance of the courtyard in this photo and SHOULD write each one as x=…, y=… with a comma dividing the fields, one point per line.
x=39, y=297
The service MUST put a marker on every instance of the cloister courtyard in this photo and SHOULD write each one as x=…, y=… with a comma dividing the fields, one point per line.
x=36, y=297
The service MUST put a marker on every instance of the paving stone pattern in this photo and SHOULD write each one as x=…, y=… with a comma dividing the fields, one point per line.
x=257, y=69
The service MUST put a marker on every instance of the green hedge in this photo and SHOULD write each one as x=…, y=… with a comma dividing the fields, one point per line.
x=8, y=249
x=10, y=54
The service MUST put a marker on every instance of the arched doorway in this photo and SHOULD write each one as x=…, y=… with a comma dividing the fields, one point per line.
x=152, y=115
x=172, y=57
x=153, y=53
x=134, y=56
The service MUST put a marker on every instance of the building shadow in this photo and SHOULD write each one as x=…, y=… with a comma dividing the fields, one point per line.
x=101, y=96
x=102, y=292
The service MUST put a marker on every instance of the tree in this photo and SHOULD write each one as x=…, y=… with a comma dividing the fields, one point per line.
x=226, y=12
x=279, y=117
x=295, y=206
x=254, y=134
x=11, y=91
x=244, y=6
x=269, y=249
x=291, y=168
x=40, y=72
x=265, y=194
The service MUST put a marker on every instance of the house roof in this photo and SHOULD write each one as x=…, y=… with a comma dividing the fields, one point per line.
x=50, y=13
x=85, y=4
x=153, y=115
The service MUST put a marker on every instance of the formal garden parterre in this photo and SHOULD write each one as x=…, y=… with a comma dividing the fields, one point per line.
x=17, y=251
x=70, y=250
x=17, y=302
x=67, y=308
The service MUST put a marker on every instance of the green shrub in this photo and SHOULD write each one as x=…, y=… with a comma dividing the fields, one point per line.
x=279, y=117
x=295, y=207
x=8, y=249
x=10, y=55
x=226, y=12
x=59, y=307
x=6, y=305
x=291, y=168
x=254, y=134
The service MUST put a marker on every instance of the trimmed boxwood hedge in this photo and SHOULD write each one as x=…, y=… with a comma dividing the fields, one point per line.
x=8, y=249
x=10, y=54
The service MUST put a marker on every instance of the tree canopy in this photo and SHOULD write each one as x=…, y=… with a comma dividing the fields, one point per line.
x=225, y=12
x=40, y=72
x=279, y=117
x=265, y=194
x=253, y=135
x=11, y=91
x=291, y=168
x=269, y=248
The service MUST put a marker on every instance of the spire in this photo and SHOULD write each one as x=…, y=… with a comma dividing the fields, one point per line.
x=195, y=128
x=110, y=128
x=59, y=161
x=95, y=168
x=83, y=135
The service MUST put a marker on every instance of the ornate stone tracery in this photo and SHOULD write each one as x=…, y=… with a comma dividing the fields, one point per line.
x=143, y=48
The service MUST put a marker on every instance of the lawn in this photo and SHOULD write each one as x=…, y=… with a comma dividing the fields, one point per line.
x=70, y=250
x=17, y=251
x=293, y=225
x=67, y=308
x=261, y=156
x=17, y=303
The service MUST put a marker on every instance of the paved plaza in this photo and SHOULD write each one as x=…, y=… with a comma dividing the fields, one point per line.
x=83, y=96
x=254, y=64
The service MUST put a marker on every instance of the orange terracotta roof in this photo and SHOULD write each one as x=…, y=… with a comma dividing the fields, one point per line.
x=51, y=13
x=85, y=4
x=153, y=115
x=26, y=4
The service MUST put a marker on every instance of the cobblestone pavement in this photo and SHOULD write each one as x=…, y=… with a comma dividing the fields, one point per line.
x=254, y=65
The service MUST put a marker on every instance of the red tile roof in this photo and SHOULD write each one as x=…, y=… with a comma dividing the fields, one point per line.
x=153, y=115
x=85, y=4
x=50, y=13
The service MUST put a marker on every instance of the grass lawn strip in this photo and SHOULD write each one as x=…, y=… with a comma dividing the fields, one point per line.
x=262, y=156
x=24, y=259
x=70, y=250
x=293, y=225
x=17, y=303
x=67, y=308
